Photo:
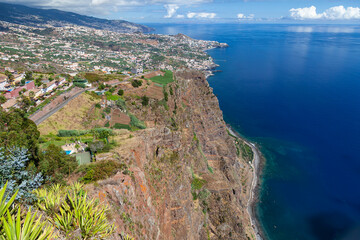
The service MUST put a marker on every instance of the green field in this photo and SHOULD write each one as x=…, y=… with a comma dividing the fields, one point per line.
x=109, y=96
x=167, y=78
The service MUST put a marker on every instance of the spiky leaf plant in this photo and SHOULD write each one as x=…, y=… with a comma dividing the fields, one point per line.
x=19, y=227
x=72, y=210
x=29, y=228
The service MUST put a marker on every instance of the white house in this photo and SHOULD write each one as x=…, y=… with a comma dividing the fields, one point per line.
x=62, y=81
x=49, y=87
x=3, y=82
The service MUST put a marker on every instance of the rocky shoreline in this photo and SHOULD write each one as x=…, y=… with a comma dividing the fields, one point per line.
x=257, y=164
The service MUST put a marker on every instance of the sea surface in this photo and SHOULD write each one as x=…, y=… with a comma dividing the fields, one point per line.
x=295, y=91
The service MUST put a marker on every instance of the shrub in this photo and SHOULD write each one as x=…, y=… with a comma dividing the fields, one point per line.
x=171, y=91
x=76, y=133
x=111, y=90
x=120, y=92
x=107, y=124
x=79, y=84
x=107, y=110
x=101, y=87
x=136, y=83
x=98, y=105
x=145, y=100
x=166, y=95
x=13, y=171
x=69, y=133
x=120, y=103
x=56, y=164
x=121, y=126
x=100, y=170
x=136, y=122
x=96, y=146
x=197, y=183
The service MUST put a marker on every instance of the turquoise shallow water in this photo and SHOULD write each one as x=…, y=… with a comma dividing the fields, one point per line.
x=294, y=89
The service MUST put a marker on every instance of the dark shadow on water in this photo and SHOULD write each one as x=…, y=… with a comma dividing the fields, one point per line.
x=333, y=225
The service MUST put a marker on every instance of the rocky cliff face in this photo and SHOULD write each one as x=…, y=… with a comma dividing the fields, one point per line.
x=185, y=178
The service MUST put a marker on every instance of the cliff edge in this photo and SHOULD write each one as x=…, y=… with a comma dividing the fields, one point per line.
x=187, y=178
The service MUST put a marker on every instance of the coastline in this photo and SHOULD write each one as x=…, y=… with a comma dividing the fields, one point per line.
x=257, y=165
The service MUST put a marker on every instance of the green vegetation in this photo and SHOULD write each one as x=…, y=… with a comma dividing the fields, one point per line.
x=56, y=164
x=120, y=103
x=166, y=95
x=81, y=85
x=17, y=226
x=99, y=170
x=121, y=126
x=73, y=133
x=18, y=131
x=120, y=92
x=246, y=152
x=70, y=210
x=136, y=83
x=242, y=148
x=14, y=164
x=167, y=78
x=145, y=100
x=136, y=122
x=109, y=96
x=199, y=192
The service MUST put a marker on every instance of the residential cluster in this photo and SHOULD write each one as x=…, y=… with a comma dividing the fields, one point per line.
x=13, y=85
x=77, y=49
x=73, y=49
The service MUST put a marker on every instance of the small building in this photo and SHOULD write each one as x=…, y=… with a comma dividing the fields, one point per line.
x=9, y=103
x=3, y=84
x=83, y=158
x=137, y=70
x=49, y=87
x=14, y=93
x=18, y=77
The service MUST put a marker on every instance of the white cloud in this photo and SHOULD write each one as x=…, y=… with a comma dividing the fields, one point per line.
x=242, y=16
x=201, y=15
x=171, y=10
x=333, y=13
x=180, y=16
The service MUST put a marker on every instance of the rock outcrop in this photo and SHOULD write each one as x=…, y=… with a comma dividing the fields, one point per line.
x=186, y=178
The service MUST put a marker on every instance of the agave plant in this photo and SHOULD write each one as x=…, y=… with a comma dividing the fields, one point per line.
x=87, y=215
x=49, y=200
x=71, y=209
x=5, y=205
x=126, y=237
x=29, y=228
x=18, y=227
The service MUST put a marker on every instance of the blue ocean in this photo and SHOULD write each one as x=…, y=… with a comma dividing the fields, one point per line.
x=295, y=91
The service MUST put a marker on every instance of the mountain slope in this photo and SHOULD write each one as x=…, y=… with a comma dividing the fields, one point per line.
x=20, y=14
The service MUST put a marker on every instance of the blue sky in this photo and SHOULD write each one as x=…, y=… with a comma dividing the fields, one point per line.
x=203, y=11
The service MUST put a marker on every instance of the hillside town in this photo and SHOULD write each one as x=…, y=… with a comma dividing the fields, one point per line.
x=64, y=52
x=75, y=48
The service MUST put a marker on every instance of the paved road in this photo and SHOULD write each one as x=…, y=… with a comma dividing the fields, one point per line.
x=57, y=108
x=60, y=106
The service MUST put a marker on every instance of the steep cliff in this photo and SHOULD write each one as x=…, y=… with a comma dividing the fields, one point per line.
x=186, y=177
